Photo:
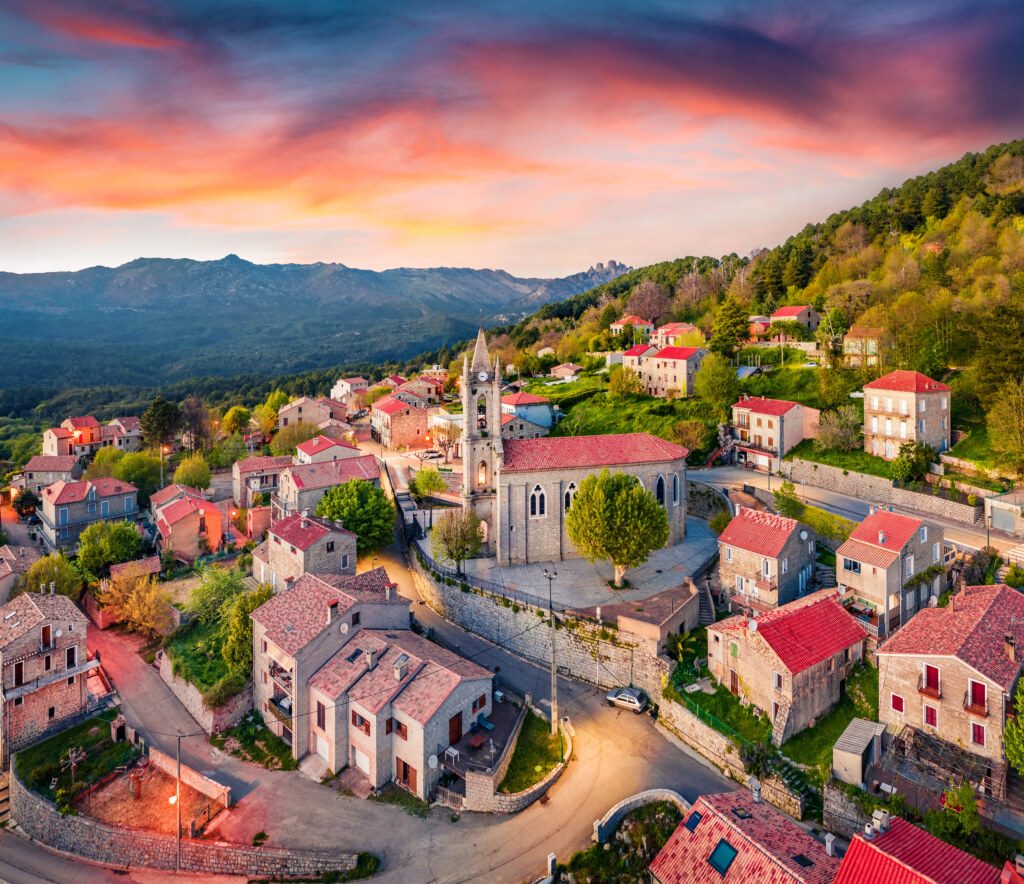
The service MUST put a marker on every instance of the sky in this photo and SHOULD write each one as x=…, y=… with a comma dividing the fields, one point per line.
x=538, y=136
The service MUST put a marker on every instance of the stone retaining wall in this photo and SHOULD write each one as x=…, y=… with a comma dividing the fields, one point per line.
x=610, y=821
x=190, y=777
x=876, y=490
x=90, y=839
x=94, y=612
x=482, y=786
x=705, y=501
x=840, y=814
x=517, y=801
x=210, y=720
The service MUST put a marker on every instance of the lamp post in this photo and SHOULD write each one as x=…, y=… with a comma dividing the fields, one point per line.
x=550, y=575
x=163, y=451
x=988, y=530
x=175, y=799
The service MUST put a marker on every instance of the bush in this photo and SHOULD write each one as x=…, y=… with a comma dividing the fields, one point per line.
x=972, y=499
x=1015, y=576
x=227, y=687
x=719, y=521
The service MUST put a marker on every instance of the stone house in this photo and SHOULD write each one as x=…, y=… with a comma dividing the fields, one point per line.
x=514, y=427
x=169, y=494
x=14, y=564
x=69, y=507
x=530, y=407
x=766, y=429
x=189, y=526
x=303, y=485
x=351, y=391
x=392, y=382
x=44, y=668
x=400, y=424
x=952, y=672
x=804, y=314
x=84, y=436
x=791, y=662
x=633, y=357
x=426, y=388
x=307, y=410
x=765, y=560
x=866, y=346
x=45, y=469
x=256, y=475
x=889, y=568
x=637, y=323
x=670, y=371
x=567, y=371
x=321, y=449
x=671, y=333
x=302, y=544
x=905, y=406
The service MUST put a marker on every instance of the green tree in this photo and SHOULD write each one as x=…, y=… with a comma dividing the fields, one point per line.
x=237, y=648
x=288, y=438
x=456, y=537
x=1006, y=425
x=26, y=503
x=614, y=517
x=839, y=430
x=216, y=587
x=1013, y=733
x=142, y=470
x=237, y=419
x=427, y=483
x=797, y=271
x=716, y=383
x=195, y=422
x=107, y=543
x=831, y=331
x=363, y=508
x=160, y=422
x=266, y=418
x=55, y=569
x=375, y=393
x=104, y=463
x=835, y=385
x=226, y=452
x=912, y=461
x=276, y=399
x=786, y=501
x=137, y=600
x=730, y=329
x=1000, y=351
x=624, y=381
x=193, y=472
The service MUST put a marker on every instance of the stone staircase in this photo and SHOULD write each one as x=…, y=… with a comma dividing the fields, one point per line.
x=796, y=780
x=5, y=800
x=825, y=575
x=706, y=613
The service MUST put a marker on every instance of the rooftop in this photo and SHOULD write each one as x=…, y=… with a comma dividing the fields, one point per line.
x=51, y=463
x=159, y=498
x=524, y=399
x=323, y=443
x=74, y=492
x=141, y=567
x=682, y=353
x=639, y=349
x=334, y=472
x=907, y=382
x=891, y=531
x=791, y=310
x=263, y=462
x=761, y=405
x=569, y=452
x=27, y=611
x=303, y=531
x=16, y=560
x=758, y=532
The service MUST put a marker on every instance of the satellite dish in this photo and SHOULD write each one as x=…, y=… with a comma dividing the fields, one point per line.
x=432, y=762
x=343, y=628
x=59, y=633
x=803, y=535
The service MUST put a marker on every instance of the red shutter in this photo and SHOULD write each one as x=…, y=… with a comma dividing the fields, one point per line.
x=930, y=715
x=931, y=676
x=388, y=726
x=977, y=694
x=355, y=719
x=978, y=734
x=897, y=703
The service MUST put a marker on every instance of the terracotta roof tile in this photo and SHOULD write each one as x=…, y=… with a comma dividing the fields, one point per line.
x=172, y=513
x=171, y=492
x=678, y=353
x=391, y=405
x=262, y=463
x=292, y=531
x=582, y=452
x=25, y=612
x=335, y=472
x=640, y=349
x=73, y=492
x=323, y=443
x=632, y=319
x=82, y=423
x=907, y=382
x=50, y=463
x=891, y=531
x=524, y=399
x=867, y=554
x=758, y=532
x=147, y=566
x=790, y=311
x=761, y=405
x=16, y=561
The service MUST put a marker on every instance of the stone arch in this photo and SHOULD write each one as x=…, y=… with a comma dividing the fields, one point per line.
x=570, y=493
x=659, y=490
x=538, y=502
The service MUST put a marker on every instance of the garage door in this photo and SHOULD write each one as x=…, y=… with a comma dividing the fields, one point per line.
x=362, y=761
x=321, y=746
x=1002, y=518
x=763, y=460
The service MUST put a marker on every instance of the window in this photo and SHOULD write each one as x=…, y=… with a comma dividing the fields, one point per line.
x=389, y=725
x=766, y=568
x=19, y=673
x=924, y=534
x=675, y=489
x=897, y=703
x=18, y=701
x=785, y=566
x=44, y=636
x=775, y=710
x=330, y=546
x=481, y=474
x=401, y=730
x=931, y=677
x=722, y=856
x=851, y=566
x=71, y=680
x=659, y=490
x=978, y=694
x=936, y=553
x=920, y=404
x=908, y=569
x=104, y=508
x=931, y=716
x=728, y=553
x=321, y=715
x=264, y=674
x=344, y=561
x=71, y=657
x=537, y=502
x=570, y=493
x=777, y=680
x=921, y=425
x=46, y=663
x=978, y=734
x=692, y=820
x=359, y=722
x=128, y=504
x=51, y=713
x=264, y=646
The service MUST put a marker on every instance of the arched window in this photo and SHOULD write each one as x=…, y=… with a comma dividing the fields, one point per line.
x=675, y=489
x=481, y=473
x=481, y=413
x=659, y=490
x=570, y=493
x=537, y=503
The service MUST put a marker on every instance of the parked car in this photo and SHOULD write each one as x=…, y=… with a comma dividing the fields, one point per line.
x=634, y=699
x=432, y=455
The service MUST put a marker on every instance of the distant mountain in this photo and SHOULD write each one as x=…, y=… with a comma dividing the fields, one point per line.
x=154, y=320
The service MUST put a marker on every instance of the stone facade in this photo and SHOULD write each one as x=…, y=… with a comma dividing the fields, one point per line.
x=763, y=438
x=866, y=346
x=769, y=581
x=398, y=424
x=705, y=501
x=210, y=720
x=104, y=500
x=305, y=410
x=256, y=475
x=662, y=373
x=841, y=814
x=278, y=562
x=43, y=470
x=892, y=417
x=191, y=777
x=606, y=826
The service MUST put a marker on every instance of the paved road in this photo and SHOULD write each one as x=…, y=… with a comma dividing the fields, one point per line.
x=17, y=534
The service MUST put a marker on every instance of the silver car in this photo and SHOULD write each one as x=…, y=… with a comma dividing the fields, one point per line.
x=630, y=698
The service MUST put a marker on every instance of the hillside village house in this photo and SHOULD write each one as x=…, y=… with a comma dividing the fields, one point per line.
x=952, y=673
x=427, y=389
x=766, y=429
x=188, y=525
x=803, y=314
x=670, y=371
x=170, y=493
x=737, y=838
x=765, y=560
x=70, y=507
x=350, y=391
x=638, y=324
x=633, y=357
x=14, y=563
x=758, y=326
x=792, y=662
x=45, y=469
x=530, y=407
x=545, y=351
x=302, y=486
x=671, y=333
x=876, y=565
x=44, y=668
x=866, y=346
x=320, y=449
x=303, y=544
x=306, y=410
x=513, y=427
x=84, y=436
x=905, y=406
x=256, y=475
x=521, y=489
x=567, y=371
x=397, y=423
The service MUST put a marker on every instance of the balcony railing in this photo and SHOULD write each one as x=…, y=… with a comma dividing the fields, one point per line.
x=979, y=709
x=88, y=519
x=280, y=712
x=928, y=690
x=282, y=677
x=758, y=446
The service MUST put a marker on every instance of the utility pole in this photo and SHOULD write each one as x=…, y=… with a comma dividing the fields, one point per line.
x=177, y=804
x=550, y=575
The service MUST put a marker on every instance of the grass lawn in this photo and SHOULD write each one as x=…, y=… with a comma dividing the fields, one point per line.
x=814, y=746
x=556, y=391
x=39, y=764
x=724, y=708
x=976, y=447
x=196, y=655
x=252, y=741
x=536, y=755
x=826, y=556
x=979, y=481
x=828, y=525
x=792, y=382
x=406, y=800
x=855, y=461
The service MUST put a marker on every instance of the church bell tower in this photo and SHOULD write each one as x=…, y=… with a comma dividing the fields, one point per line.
x=481, y=437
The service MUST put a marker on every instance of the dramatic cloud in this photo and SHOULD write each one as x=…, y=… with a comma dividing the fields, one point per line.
x=539, y=136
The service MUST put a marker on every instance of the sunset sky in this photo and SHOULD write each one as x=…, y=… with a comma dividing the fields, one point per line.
x=538, y=136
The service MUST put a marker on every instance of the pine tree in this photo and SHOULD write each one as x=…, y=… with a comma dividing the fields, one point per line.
x=730, y=329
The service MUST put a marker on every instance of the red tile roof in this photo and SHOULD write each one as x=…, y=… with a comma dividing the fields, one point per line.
x=391, y=405
x=676, y=328
x=16, y=561
x=790, y=311
x=51, y=463
x=892, y=531
x=27, y=611
x=322, y=443
x=804, y=632
x=867, y=554
x=174, y=512
x=335, y=472
x=164, y=495
x=397, y=379
x=81, y=423
x=766, y=842
x=907, y=382
x=131, y=422
x=60, y=432
x=292, y=531
x=764, y=534
x=761, y=405
x=972, y=628
x=905, y=854
x=639, y=349
x=261, y=463
x=73, y=492
x=109, y=431
x=143, y=567
x=632, y=319
x=524, y=399
x=582, y=452
x=680, y=353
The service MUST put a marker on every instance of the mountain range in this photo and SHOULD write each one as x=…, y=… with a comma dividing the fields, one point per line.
x=155, y=321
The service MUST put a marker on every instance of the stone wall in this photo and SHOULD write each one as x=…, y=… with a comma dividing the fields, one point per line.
x=190, y=777
x=840, y=814
x=210, y=720
x=610, y=821
x=517, y=801
x=876, y=490
x=94, y=612
x=705, y=501
x=90, y=839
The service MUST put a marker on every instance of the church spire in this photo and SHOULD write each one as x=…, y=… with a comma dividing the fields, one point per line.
x=481, y=358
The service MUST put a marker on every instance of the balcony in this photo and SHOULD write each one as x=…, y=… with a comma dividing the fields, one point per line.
x=282, y=677
x=979, y=709
x=281, y=709
x=928, y=690
x=30, y=686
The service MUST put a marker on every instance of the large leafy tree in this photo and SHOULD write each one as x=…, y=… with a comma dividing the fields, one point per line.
x=193, y=472
x=839, y=430
x=104, y=463
x=1006, y=425
x=716, y=383
x=26, y=503
x=912, y=461
x=427, y=483
x=160, y=422
x=216, y=587
x=624, y=381
x=266, y=418
x=456, y=537
x=276, y=399
x=138, y=601
x=614, y=517
x=107, y=543
x=291, y=436
x=237, y=419
x=55, y=569
x=730, y=328
x=363, y=508
x=142, y=470
x=195, y=422
x=1013, y=733
x=237, y=649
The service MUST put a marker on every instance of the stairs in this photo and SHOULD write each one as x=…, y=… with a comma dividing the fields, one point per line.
x=796, y=780
x=5, y=800
x=824, y=575
x=706, y=613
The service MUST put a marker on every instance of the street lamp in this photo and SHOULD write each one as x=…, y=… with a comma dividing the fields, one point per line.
x=550, y=575
x=163, y=451
x=988, y=530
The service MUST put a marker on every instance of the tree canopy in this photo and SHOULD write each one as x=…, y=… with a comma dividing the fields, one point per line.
x=363, y=508
x=193, y=472
x=456, y=537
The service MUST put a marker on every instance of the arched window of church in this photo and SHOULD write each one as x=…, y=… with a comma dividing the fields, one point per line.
x=570, y=493
x=481, y=413
x=659, y=490
x=537, y=502
x=675, y=488
x=481, y=473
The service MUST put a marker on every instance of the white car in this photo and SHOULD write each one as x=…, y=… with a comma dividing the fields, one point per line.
x=630, y=698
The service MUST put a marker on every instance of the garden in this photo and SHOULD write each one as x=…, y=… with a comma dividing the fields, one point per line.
x=252, y=741
x=537, y=753
x=858, y=460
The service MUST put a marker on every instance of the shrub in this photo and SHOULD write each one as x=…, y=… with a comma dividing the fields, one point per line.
x=719, y=521
x=972, y=499
x=227, y=687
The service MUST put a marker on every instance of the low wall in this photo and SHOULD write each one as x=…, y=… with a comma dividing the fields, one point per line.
x=90, y=839
x=517, y=801
x=705, y=501
x=840, y=814
x=610, y=821
x=94, y=612
x=190, y=777
x=210, y=720
x=877, y=490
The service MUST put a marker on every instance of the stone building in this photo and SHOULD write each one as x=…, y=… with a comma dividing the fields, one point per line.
x=303, y=485
x=670, y=371
x=45, y=469
x=876, y=567
x=14, y=563
x=791, y=662
x=401, y=420
x=803, y=314
x=905, y=406
x=866, y=346
x=351, y=392
x=70, y=507
x=530, y=407
x=189, y=526
x=514, y=427
x=44, y=668
x=84, y=436
x=765, y=560
x=638, y=324
x=302, y=544
x=766, y=429
x=256, y=475
x=670, y=334
x=309, y=410
x=321, y=449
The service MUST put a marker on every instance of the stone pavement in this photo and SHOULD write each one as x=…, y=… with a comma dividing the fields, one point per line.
x=581, y=584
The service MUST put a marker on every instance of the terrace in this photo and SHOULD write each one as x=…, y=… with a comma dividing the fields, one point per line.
x=481, y=750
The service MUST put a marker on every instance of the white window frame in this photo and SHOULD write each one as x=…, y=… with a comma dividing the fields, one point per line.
x=924, y=715
x=892, y=698
x=984, y=733
x=728, y=553
x=776, y=680
x=924, y=534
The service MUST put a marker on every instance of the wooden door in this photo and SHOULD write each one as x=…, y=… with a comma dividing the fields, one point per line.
x=455, y=729
x=734, y=682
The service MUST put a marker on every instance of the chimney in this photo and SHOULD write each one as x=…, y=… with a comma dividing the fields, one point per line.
x=332, y=611
x=880, y=818
x=869, y=831
x=370, y=658
x=388, y=590
x=755, y=789
x=53, y=587
x=830, y=844
x=401, y=669
x=304, y=521
x=881, y=537
x=338, y=525
x=1010, y=646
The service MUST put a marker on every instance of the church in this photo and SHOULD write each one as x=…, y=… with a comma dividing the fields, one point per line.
x=521, y=489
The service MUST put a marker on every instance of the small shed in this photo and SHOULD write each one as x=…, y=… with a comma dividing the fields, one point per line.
x=859, y=747
x=1005, y=512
